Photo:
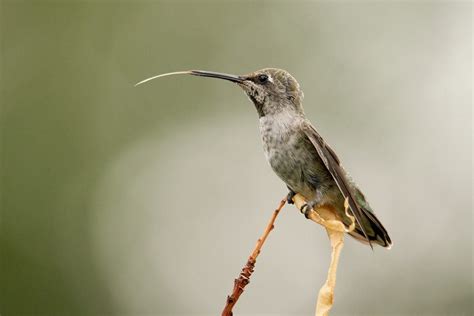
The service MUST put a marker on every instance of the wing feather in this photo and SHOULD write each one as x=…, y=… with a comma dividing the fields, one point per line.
x=333, y=164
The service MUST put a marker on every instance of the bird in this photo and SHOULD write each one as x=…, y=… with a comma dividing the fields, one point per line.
x=297, y=153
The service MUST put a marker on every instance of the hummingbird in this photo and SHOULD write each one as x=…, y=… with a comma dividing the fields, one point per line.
x=298, y=154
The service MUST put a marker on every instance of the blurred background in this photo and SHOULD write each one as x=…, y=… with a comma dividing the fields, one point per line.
x=147, y=200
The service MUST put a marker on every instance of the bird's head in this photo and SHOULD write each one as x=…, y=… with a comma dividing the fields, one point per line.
x=271, y=90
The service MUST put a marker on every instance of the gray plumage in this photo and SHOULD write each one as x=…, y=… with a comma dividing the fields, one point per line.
x=301, y=158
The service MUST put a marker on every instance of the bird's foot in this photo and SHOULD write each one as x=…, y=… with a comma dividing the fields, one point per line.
x=312, y=205
x=290, y=196
x=307, y=208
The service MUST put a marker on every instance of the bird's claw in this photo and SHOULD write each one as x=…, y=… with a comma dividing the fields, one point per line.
x=306, y=209
x=290, y=196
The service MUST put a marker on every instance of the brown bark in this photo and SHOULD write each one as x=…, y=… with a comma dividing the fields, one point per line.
x=247, y=270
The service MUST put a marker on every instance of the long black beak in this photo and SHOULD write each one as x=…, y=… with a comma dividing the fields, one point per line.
x=218, y=75
x=200, y=73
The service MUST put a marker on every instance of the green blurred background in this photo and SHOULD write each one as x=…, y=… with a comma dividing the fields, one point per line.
x=146, y=201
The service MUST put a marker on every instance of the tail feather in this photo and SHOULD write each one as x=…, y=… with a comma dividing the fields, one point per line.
x=374, y=229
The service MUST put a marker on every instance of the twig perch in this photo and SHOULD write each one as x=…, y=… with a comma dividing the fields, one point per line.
x=324, y=216
x=247, y=270
x=335, y=229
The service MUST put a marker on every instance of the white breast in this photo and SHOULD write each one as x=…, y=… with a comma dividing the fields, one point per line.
x=278, y=135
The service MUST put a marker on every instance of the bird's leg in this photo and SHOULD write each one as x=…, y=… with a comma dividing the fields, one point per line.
x=290, y=196
x=323, y=214
x=314, y=204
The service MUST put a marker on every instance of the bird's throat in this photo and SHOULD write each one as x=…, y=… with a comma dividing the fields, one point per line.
x=258, y=106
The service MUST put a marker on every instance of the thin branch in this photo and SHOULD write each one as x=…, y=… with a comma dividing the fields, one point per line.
x=247, y=270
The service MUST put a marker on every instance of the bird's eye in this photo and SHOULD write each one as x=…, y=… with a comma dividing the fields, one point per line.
x=262, y=78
